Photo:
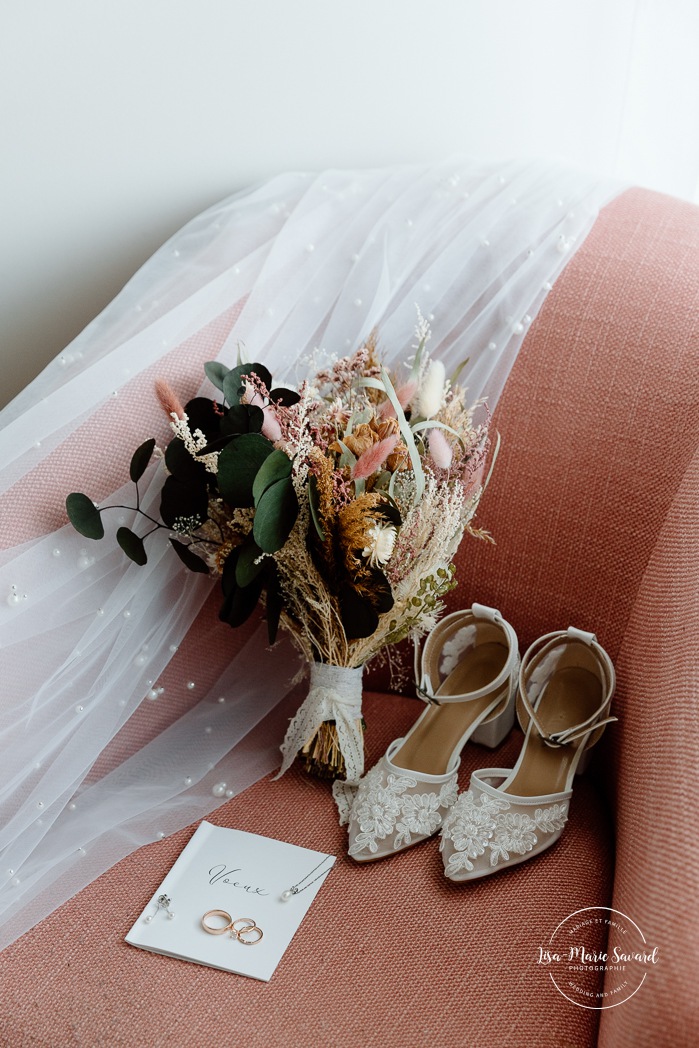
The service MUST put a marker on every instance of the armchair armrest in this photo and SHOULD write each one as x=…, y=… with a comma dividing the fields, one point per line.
x=594, y=507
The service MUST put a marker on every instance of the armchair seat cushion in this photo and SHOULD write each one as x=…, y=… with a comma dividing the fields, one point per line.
x=391, y=953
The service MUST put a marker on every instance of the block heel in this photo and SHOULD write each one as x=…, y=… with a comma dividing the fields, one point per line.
x=494, y=731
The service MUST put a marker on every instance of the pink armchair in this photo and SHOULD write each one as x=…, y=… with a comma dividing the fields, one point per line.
x=595, y=509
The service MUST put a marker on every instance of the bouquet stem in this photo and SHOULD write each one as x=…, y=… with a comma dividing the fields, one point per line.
x=327, y=730
x=322, y=755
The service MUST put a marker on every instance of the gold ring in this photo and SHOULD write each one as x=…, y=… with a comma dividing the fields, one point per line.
x=216, y=930
x=249, y=931
x=249, y=923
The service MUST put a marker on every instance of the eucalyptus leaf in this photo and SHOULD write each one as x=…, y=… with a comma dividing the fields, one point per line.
x=204, y=414
x=242, y=418
x=183, y=506
x=234, y=382
x=140, y=459
x=84, y=516
x=216, y=372
x=276, y=466
x=238, y=464
x=239, y=601
x=233, y=386
x=275, y=515
x=246, y=569
x=132, y=545
x=182, y=465
x=228, y=583
x=189, y=559
x=216, y=445
x=286, y=397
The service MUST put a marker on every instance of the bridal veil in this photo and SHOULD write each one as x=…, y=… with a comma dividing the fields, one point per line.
x=126, y=710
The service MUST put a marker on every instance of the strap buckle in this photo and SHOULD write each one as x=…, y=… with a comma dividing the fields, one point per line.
x=555, y=740
x=431, y=700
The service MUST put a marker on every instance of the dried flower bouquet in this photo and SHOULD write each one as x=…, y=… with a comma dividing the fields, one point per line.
x=339, y=505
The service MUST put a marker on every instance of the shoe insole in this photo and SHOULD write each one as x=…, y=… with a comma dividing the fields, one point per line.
x=570, y=697
x=440, y=728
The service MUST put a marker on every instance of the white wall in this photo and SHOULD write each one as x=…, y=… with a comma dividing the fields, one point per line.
x=121, y=119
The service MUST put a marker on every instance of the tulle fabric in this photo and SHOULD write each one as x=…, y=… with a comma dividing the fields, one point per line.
x=91, y=768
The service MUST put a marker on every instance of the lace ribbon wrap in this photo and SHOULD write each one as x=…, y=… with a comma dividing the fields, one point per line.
x=335, y=695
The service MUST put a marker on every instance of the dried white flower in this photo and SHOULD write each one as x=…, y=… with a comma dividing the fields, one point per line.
x=381, y=540
x=423, y=332
x=194, y=442
x=432, y=390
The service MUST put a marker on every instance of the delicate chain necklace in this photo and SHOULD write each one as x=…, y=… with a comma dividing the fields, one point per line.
x=296, y=890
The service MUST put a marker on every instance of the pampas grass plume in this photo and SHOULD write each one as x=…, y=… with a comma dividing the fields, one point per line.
x=168, y=399
x=440, y=452
x=432, y=390
x=375, y=456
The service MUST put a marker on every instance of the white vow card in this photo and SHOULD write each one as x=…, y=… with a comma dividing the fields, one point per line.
x=245, y=875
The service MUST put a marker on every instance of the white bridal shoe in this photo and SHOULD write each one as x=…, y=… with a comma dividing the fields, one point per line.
x=468, y=677
x=506, y=816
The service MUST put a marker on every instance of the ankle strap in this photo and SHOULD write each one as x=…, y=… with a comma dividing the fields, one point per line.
x=533, y=660
x=435, y=643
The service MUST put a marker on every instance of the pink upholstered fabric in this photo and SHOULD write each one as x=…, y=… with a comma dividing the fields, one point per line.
x=83, y=455
x=594, y=508
x=656, y=781
x=390, y=953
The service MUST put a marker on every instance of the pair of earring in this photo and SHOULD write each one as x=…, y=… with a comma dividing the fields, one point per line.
x=161, y=903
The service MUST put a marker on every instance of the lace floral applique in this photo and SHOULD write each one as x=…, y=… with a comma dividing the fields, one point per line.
x=514, y=832
x=550, y=819
x=455, y=647
x=384, y=807
x=479, y=821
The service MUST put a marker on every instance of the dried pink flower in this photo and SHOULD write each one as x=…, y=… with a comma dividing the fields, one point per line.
x=270, y=425
x=472, y=477
x=169, y=400
x=251, y=395
x=405, y=394
x=440, y=451
x=375, y=456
